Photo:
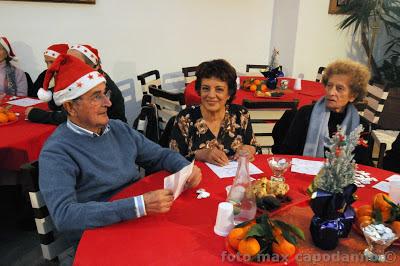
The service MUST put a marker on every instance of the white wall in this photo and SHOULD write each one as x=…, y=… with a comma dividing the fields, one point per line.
x=319, y=41
x=140, y=35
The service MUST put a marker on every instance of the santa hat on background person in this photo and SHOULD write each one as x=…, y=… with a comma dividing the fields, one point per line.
x=90, y=52
x=6, y=44
x=56, y=49
x=73, y=78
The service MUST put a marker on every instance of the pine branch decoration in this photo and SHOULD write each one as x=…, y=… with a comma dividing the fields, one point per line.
x=339, y=167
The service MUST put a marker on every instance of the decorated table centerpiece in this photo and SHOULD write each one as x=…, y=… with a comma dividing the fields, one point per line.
x=332, y=191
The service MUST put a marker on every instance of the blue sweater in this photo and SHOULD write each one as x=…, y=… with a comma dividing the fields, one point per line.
x=79, y=173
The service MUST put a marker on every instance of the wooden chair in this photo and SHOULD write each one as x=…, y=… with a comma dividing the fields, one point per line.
x=189, y=73
x=149, y=78
x=51, y=242
x=320, y=72
x=382, y=139
x=264, y=115
x=169, y=104
x=256, y=70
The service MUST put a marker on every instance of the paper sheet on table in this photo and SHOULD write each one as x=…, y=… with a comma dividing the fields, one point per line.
x=306, y=166
x=382, y=186
x=176, y=182
x=230, y=169
x=393, y=178
x=25, y=102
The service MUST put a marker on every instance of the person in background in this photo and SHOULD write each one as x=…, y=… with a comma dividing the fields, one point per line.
x=90, y=56
x=12, y=79
x=50, y=55
x=345, y=82
x=56, y=115
x=216, y=129
x=391, y=161
x=77, y=176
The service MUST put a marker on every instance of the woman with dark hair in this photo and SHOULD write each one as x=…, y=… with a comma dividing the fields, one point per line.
x=345, y=82
x=12, y=79
x=216, y=129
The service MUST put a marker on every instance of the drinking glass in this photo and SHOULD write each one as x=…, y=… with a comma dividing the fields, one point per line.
x=278, y=167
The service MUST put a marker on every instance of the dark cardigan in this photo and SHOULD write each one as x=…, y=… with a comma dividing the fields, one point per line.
x=290, y=133
x=391, y=161
x=58, y=115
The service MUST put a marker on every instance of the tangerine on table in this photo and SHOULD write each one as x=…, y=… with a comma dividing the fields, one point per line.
x=11, y=116
x=235, y=236
x=380, y=203
x=396, y=227
x=283, y=247
x=264, y=88
x=253, y=87
x=364, y=219
x=3, y=118
x=257, y=82
x=249, y=246
x=365, y=210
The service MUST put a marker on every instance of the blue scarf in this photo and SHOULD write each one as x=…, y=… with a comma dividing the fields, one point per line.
x=318, y=131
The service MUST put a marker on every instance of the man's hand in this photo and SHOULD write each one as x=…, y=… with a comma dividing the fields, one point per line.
x=27, y=111
x=158, y=201
x=194, y=178
x=214, y=156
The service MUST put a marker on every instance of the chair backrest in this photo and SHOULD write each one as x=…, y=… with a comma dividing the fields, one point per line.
x=376, y=97
x=149, y=78
x=31, y=89
x=51, y=242
x=264, y=115
x=189, y=73
x=320, y=72
x=169, y=104
x=256, y=67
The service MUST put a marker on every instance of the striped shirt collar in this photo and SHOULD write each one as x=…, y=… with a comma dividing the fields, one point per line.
x=82, y=131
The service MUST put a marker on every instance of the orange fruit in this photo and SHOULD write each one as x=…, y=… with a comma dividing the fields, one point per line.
x=235, y=236
x=248, y=226
x=283, y=247
x=3, y=118
x=257, y=82
x=2, y=109
x=363, y=219
x=249, y=246
x=365, y=210
x=276, y=231
x=11, y=116
x=253, y=87
x=380, y=203
x=396, y=227
x=264, y=87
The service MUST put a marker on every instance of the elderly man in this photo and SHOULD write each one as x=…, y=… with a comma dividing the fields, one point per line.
x=91, y=157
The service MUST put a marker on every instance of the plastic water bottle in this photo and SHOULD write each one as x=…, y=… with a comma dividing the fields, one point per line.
x=241, y=194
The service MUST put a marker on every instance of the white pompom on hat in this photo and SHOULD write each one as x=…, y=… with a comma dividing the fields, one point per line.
x=72, y=77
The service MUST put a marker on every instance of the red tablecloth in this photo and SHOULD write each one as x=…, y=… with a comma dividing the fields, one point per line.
x=184, y=235
x=21, y=142
x=311, y=91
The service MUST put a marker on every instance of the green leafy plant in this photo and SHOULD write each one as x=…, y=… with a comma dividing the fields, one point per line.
x=367, y=18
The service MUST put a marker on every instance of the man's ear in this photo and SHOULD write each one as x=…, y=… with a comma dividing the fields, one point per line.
x=69, y=107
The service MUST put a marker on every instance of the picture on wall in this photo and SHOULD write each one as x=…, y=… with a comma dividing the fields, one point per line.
x=334, y=6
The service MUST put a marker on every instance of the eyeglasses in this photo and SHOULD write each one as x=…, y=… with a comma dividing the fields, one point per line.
x=98, y=98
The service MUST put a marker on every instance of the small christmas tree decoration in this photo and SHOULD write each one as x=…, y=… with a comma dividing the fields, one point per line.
x=332, y=191
x=274, y=63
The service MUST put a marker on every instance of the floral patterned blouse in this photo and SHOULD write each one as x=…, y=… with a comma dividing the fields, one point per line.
x=190, y=131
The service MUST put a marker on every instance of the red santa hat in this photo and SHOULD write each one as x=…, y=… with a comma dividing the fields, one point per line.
x=6, y=44
x=90, y=52
x=56, y=49
x=73, y=78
